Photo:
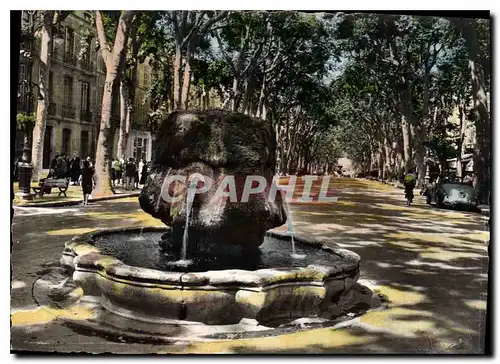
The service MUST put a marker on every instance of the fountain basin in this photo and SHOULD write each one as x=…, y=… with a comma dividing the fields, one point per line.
x=270, y=295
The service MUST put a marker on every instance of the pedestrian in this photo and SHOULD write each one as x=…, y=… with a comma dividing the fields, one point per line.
x=53, y=163
x=136, y=177
x=141, y=165
x=62, y=167
x=113, y=171
x=130, y=173
x=68, y=166
x=409, y=182
x=53, y=167
x=144, y=173
x=75, y=169
x=118, y=170
x=87, y=181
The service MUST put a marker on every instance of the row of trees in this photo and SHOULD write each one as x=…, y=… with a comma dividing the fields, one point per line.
x=404, y=78
x=378, y=89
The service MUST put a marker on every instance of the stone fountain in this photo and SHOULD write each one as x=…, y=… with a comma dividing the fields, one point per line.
x=239, y=275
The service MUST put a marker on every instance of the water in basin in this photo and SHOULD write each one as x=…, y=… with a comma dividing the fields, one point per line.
x=146, y=253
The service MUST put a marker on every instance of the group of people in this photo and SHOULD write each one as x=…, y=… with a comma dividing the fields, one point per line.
x=129, y=173
x=63, y=167
x=80, y=173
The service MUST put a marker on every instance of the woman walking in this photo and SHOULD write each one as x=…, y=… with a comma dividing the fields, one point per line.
x=87, y=180
x=75, y=169
x=144, y=173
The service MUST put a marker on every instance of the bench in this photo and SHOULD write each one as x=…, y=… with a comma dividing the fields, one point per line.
x=48, y=183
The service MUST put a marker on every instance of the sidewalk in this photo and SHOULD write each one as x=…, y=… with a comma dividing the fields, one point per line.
x=74, y=197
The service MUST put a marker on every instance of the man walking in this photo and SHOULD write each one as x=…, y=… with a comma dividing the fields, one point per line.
x=409, y=182
x=130, y=172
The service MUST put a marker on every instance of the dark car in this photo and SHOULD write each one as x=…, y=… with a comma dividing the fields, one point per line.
x=453, y=194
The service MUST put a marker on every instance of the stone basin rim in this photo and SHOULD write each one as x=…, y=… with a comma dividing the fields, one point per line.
x=80, y=254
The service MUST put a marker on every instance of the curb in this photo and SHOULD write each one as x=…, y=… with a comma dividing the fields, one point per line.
x=78, y=202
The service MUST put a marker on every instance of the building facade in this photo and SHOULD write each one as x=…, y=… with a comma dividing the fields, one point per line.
x=76, y=85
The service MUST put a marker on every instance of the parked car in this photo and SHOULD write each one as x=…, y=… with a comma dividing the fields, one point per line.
x=454, y=194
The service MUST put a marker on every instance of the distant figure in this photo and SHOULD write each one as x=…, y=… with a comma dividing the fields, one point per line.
x=144, y=173
x=53, y=163
x=141, y=165
x=90, y=162
x=75, y=169
x=113, y=172
x=53, y=167
x=116, y=167
x=87, y=180
x=62, y=167
x=130, y=172
x=68, y=166
x=136, y=177
x=410, y=180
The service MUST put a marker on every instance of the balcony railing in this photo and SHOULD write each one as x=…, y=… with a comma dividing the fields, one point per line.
x=52, y=109
x=68, y=112
x=87, y=65
x=85, y=115
x=69, y=58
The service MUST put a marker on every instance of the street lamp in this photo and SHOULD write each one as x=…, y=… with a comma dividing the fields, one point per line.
x=24, y=166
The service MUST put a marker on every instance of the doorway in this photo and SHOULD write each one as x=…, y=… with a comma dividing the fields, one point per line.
x=47, y=144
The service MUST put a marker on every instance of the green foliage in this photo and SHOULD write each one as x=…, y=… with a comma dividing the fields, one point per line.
x=386, y=67
x=25, y=122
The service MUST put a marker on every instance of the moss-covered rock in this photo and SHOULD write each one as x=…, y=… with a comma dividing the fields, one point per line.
x=214, y=144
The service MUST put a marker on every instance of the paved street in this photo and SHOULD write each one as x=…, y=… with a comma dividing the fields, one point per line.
x=431, y=265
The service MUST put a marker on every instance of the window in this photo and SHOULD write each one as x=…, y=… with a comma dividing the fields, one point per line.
x=84, y=144
x=66, y=141
x=70, y=41
x=140, y=78
x=138, y=149
x=84, y=102
x=145, y=149
x=51, y=85
x=146, y=78
x=85, y=60
x=47, y=146
x=22, y=77
x=68, y=91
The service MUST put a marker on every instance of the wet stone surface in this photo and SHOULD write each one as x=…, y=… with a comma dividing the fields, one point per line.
x=144, y=250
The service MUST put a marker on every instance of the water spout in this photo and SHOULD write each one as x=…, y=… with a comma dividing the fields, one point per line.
x=189, y=205
x=289, y=221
